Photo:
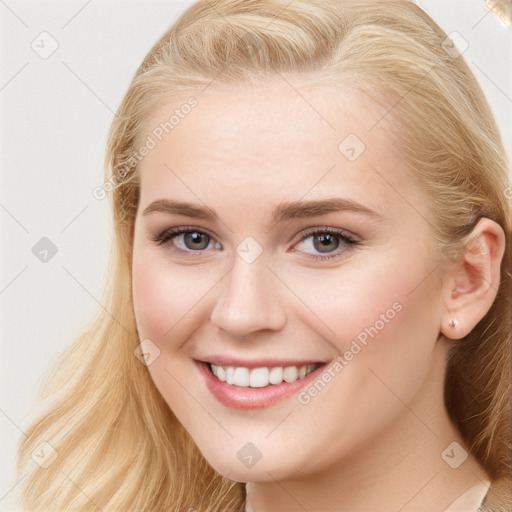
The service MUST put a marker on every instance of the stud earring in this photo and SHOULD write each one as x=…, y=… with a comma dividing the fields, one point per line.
x=453, y=323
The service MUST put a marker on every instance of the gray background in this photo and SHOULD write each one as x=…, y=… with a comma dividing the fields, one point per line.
x=55, y=113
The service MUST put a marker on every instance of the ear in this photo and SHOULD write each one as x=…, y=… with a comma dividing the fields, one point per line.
x=471, y=283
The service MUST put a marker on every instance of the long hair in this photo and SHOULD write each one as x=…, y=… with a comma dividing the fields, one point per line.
x=117, y=444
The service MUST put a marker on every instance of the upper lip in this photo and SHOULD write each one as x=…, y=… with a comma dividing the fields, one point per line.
x=222, y=360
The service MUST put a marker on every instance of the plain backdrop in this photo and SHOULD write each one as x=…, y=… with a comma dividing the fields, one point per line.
x=55, y=113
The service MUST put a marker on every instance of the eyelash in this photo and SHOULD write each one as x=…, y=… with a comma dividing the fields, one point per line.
x=167, y=235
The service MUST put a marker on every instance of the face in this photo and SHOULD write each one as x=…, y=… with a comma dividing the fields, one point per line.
x=280, y=230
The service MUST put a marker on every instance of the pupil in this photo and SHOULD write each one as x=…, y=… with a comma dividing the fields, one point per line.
x=195, y=238
x=326, y=242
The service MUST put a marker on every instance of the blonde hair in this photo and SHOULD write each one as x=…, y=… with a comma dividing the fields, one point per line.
x=119, y=446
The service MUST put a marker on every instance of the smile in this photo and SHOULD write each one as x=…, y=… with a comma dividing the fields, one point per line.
x=240, y=387
x=260, y=377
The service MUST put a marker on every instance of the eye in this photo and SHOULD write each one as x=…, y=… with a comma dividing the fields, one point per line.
x=327, y=241
x=185, y=239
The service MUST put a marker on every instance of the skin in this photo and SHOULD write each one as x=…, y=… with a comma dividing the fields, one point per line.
x=372, y=438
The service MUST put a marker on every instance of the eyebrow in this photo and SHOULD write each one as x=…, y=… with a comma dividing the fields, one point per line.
x=283, y=212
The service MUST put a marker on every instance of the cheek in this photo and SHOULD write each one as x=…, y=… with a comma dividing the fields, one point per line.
x=383, y=323
x=167, y=301
x=384, y=317
x=165, y=296
x=153, y=299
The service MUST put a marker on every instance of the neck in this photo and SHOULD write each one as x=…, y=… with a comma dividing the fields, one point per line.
x=401, y=469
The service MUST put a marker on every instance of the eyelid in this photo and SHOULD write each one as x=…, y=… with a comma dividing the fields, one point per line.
x=349, y=239
x=307, y=232
x=178, y=230
x=167, y=235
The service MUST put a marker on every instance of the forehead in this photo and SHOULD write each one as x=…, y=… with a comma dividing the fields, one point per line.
x=256, y=112
x=282, y=139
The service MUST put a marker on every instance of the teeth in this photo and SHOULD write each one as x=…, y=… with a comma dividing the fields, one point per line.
x=276, y=375
x=221, y=373
x=241, y=377
x=230, y=375
x=290, y=373
x=260, y=377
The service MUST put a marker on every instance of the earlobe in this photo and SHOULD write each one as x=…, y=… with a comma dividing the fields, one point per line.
x=452, y=328
x=471, y=284
x=453, y=323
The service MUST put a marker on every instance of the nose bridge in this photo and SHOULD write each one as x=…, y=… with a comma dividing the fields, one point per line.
x=248, y=299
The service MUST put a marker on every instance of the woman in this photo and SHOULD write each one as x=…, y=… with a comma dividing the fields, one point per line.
x=309, y=304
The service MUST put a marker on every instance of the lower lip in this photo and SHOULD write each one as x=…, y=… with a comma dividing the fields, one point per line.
x=252, y=398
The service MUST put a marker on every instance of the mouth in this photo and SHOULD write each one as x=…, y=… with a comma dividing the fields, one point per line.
x=244, y=387
x=263, y=376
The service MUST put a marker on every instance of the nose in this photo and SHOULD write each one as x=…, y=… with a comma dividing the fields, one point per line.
x=249, y=299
